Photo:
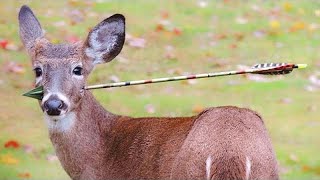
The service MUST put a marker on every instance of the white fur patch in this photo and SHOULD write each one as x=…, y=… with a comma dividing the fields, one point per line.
x=59, y=95
x=248, y=167
x=208, y=167
x=65, y=120
x=38, y=80
x=62, y=123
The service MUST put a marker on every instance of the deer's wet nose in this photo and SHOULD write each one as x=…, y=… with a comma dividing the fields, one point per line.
x=53, y=106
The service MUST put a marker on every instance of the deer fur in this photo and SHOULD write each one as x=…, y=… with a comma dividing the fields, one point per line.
x=93, y=143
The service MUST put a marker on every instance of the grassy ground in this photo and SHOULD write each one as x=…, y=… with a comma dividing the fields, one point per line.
x=216, y=37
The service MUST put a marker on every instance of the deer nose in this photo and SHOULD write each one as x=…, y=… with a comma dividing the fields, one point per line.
x=53, y=106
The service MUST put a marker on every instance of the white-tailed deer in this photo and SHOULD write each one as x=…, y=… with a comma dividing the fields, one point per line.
x=92, y=143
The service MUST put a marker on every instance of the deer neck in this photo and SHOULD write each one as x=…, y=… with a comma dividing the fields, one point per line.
x=88, y=116
x=87, y=138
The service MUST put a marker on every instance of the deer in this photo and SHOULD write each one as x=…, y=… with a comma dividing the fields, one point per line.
x=90, y=142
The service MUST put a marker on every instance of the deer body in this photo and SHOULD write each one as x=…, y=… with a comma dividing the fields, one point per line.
x=92, y=143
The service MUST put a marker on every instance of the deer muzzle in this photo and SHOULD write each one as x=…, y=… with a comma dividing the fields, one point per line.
x=53, y=106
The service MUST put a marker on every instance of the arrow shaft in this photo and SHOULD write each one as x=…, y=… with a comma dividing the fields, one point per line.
x=196, y=76
x=159, y=80
x=264, y=69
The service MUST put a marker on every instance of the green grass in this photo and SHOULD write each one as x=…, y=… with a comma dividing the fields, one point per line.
x=293, y=126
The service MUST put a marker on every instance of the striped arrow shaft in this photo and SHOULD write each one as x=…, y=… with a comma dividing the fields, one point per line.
x=267, y=69
x=264, y=69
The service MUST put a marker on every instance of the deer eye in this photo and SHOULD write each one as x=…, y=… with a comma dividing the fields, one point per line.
x=38, y=71
x=77, y=71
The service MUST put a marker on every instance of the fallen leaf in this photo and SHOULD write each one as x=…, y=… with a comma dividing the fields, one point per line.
x=233, y=46
x=177, y=31
x=221, y=36
x=297, y=26
x=286, y=100
x=59, y=24
x=8, y=159
x=287, y=6
x=274, y=24
x=259, y=34
x=279, y=45
x=310, y=88
x=238, y=36
x=317, y=12
x=14, y=67
x=307, y=168
x=202, y=3
x=122, y=59
x=315, y=79
x=256, y=8
x=166, y=24
x=24, y=175
x=52, y=158
x=4, y=43
x=176, y=71
x=312, y=108
x=12, y=47
x=28, y=148
x=233, y=82
x=294, y=157
x=150, y=108
x=169, y=52
x=164, y=14
x=72, y=39
x=114, y=78
x=92, y=14
x=197, y=108
x=301, y=11
x=159, y=27
x=135, y=42
x=192, y=81
x=241, y=20
x=313, y=27
x=76, y=16
x=12, y=144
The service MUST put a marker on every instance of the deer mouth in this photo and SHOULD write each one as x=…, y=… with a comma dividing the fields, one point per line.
x=56, y=118
x=61, y=123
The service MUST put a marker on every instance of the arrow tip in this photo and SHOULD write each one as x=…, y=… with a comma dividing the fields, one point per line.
x=36, y=93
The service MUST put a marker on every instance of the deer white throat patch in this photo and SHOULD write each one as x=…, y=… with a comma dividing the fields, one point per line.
x=60, y=123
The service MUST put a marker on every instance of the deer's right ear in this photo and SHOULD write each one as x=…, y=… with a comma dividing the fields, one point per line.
x=106, y=40
x=29, y=26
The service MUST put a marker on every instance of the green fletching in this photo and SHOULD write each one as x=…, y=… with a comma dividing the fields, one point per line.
x=36, y=93
x=301, y=66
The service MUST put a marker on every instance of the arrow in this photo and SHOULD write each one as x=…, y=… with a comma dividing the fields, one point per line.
x=263, y=69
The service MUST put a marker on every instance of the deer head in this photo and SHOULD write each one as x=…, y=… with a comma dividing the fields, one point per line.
x=62, y=69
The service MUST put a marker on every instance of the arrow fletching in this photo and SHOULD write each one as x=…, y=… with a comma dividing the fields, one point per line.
x=301, y=66
x=263, y=69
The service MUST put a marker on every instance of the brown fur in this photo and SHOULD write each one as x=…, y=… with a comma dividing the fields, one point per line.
x=107, y=146
x=102, y=145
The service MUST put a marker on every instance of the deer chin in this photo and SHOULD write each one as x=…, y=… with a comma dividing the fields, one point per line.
x=61, y=123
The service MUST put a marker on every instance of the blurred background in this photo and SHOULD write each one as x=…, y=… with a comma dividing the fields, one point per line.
x=169, y=38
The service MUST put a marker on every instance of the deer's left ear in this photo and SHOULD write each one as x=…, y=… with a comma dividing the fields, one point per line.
x=106, y=40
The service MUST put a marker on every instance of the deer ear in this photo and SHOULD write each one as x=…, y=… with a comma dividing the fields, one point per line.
x=30, y=28
x=106, y=40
